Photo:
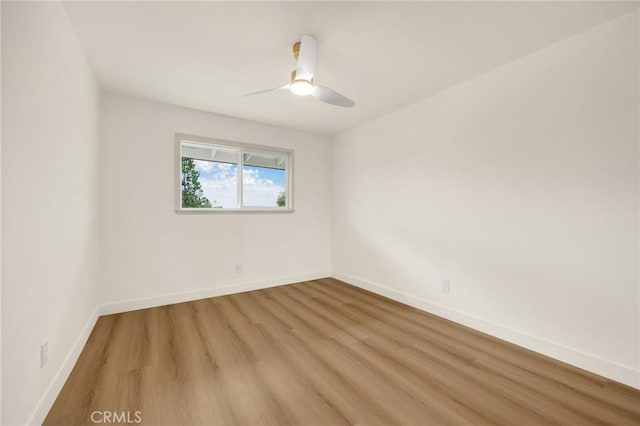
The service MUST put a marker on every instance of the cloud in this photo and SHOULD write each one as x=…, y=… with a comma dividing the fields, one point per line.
x=219, y=184
x=251, y=176
x=204, y=166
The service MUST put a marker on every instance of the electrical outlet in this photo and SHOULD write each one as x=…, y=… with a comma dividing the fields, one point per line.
x=238, y=268
x=44, y=353
x=445, y=286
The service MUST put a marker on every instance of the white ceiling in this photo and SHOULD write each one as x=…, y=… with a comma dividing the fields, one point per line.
x=384, y=55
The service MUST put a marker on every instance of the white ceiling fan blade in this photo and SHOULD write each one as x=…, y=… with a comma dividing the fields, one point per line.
x=332, y=97
x=307, y=58
x=286, y=86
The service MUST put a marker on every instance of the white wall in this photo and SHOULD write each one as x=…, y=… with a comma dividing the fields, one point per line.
x=151, y=252
x=0, y=222
x=521, y=188
x=49, y=201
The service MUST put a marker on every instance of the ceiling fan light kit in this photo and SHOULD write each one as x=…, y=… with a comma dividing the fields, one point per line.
x=301, y=87
x=305, y=52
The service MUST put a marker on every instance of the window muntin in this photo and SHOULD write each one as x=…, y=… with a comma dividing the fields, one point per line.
x=210, y=173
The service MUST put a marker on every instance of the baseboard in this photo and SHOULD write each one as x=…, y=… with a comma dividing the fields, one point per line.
x=609, y=369
x=55, y=386
x=186, y=296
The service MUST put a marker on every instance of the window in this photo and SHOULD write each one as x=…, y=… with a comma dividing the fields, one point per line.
x=229, y=176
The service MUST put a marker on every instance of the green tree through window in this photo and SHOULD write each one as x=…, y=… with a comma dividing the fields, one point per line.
x=191, y=187
x=282, y=199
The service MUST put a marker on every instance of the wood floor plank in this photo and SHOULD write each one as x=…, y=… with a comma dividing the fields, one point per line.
x=323, y=353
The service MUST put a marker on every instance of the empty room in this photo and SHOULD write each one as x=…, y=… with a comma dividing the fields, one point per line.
x=320, y=213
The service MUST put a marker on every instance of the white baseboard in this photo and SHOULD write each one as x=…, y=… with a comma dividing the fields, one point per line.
x=51, y=392
x=612, y=370
x=203, y=293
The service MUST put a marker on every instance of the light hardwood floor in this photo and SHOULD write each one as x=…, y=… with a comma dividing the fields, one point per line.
x=323, y=353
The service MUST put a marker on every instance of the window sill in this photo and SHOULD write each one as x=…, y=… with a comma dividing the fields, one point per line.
x=242, y=210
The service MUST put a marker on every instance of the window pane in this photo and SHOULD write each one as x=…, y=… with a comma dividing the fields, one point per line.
x=209, y=177
x=264, y=180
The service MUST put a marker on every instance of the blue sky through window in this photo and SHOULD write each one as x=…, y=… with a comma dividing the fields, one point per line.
x=261, y=186
x=219, y=183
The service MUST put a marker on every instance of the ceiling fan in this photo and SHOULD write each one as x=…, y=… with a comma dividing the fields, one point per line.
x=306, y=52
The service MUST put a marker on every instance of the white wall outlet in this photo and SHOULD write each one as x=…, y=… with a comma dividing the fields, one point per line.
x=44, y=353
x=238, y=268
x=445, y=286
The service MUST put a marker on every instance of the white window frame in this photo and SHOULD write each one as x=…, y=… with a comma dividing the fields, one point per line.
x=242, y=148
